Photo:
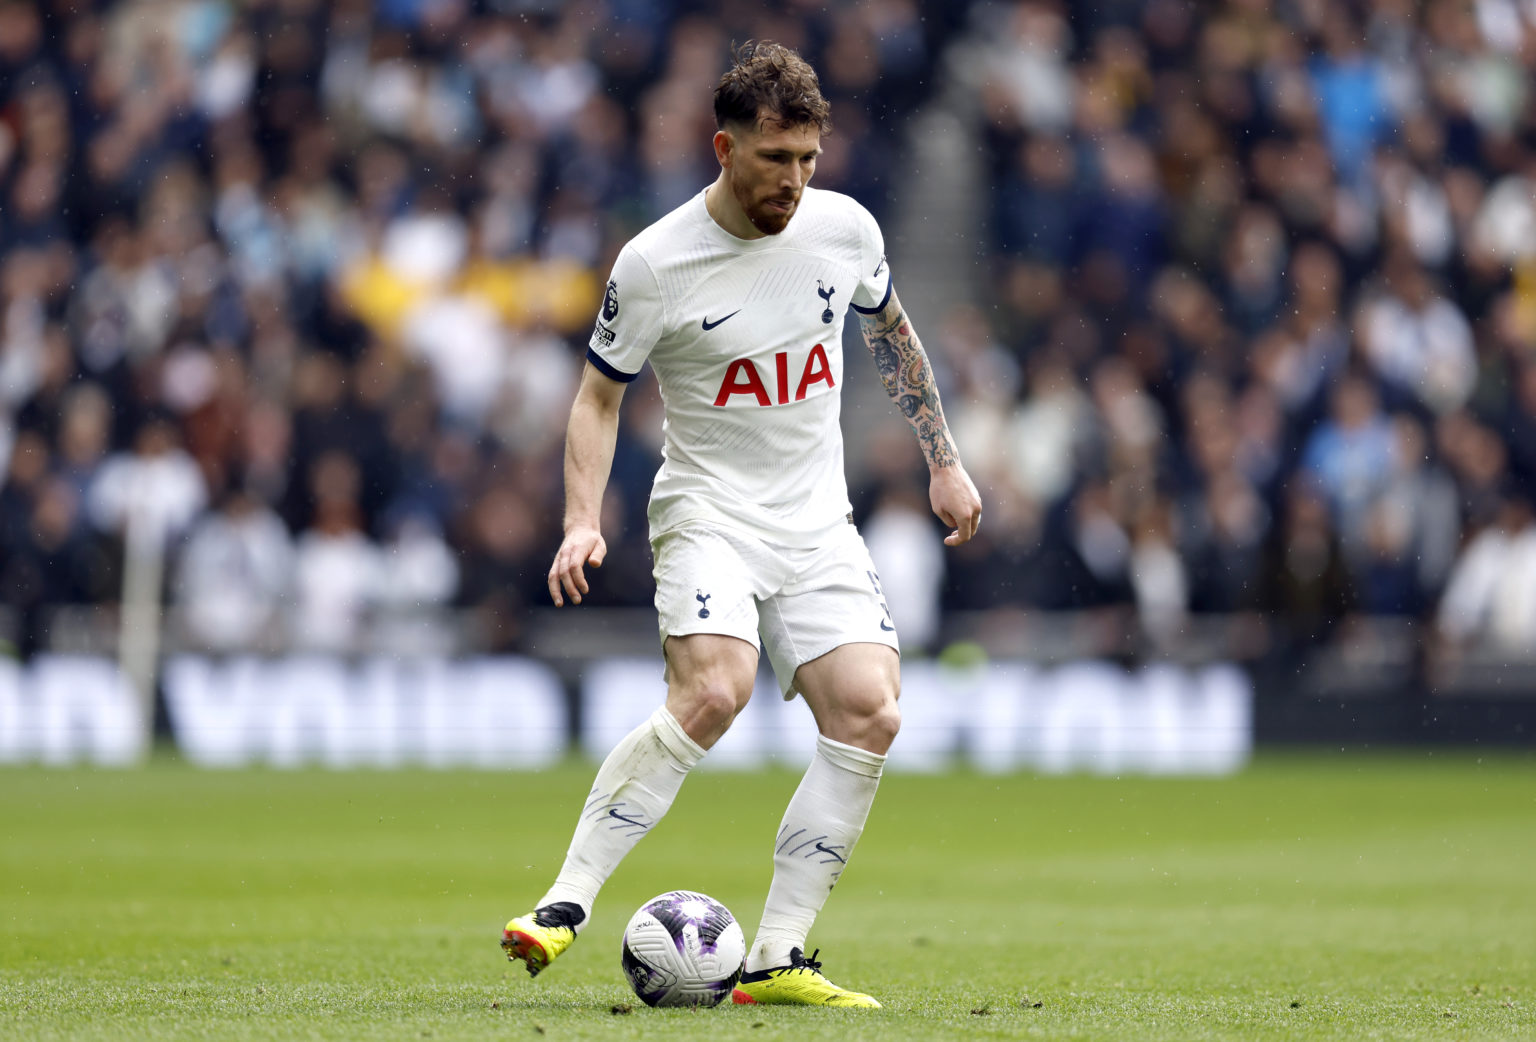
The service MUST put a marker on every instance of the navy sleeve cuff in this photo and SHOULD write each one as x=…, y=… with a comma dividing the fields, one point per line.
x=602, y=366
x=883, y=300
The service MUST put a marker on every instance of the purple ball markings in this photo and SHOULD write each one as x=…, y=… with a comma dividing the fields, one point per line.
x=681, y=907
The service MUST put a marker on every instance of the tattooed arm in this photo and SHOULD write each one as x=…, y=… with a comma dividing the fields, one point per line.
x=908, y=379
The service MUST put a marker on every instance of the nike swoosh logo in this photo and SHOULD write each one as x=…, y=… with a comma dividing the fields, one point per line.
x=829, y=850
x=887, y=626
x=628, y=821
x=708, y=325
x=879, y=267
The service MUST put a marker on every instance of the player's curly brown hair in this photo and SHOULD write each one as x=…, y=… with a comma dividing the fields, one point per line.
x=770, y=80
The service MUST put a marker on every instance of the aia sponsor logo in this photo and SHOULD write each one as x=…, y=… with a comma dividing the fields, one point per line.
x=744, y=378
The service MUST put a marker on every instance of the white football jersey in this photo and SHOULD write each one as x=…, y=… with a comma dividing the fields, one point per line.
x=745, y=336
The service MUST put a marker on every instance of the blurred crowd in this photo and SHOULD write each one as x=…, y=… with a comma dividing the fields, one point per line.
x=1262, y=336
x=298, y=292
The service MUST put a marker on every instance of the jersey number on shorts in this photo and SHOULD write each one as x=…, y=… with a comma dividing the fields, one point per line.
x=887, y=622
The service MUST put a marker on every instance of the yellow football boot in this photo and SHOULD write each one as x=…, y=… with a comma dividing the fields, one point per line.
x=539, y=937
x=801, y=983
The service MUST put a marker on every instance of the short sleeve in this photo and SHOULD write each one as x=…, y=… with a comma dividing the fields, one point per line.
x=874, y=289
x=630, y=321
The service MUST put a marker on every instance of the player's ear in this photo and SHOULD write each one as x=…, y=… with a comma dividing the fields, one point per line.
x=725, y=147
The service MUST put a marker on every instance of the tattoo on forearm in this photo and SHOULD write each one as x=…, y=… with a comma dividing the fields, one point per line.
x=908, y=379
x=887, y=361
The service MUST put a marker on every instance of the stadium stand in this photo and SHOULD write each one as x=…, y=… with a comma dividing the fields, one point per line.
x=1245, y=357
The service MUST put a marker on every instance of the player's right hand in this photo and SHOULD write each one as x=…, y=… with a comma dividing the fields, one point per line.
x=581, y=546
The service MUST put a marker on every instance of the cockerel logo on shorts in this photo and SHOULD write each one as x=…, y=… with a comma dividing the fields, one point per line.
x=703, y=599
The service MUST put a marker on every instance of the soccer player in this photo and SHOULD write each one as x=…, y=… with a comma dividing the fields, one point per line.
x=737, y=298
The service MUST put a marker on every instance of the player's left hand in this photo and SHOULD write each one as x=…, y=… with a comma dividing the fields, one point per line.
x=955, y=499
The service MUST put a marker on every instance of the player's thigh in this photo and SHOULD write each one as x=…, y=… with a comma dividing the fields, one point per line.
x=852, y=692
x=709, y=681
x=702, y=662
x=708, y=580
x=836, y=599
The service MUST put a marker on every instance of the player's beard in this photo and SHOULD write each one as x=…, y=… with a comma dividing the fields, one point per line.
x=769, y=220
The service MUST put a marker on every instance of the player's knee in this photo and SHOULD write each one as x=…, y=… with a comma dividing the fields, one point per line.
x=708, y=707
x=882, y=725
x=718, y=703
x=869, y=721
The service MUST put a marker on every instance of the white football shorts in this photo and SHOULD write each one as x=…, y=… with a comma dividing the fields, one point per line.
x=802, y=603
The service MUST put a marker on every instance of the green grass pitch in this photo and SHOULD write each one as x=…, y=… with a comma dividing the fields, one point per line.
x=1312, y=896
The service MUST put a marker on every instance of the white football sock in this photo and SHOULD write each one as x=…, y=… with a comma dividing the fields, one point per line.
x=635, y=786
x=821, y=824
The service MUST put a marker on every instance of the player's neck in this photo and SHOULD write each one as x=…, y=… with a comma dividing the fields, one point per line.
x=723, y=208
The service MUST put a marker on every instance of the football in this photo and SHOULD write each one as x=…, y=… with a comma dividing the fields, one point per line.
x=683, y=949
